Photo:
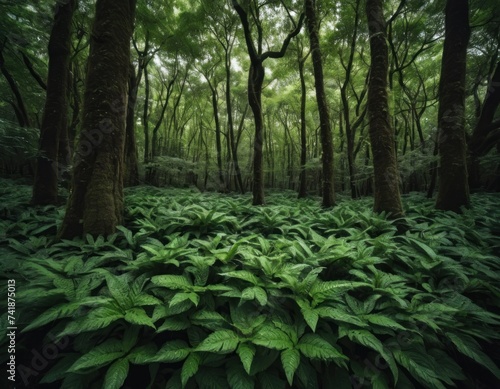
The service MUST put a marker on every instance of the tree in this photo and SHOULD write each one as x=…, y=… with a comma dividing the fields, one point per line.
x=255, y=80
x=54, y=121
x=328, y=177
x=386, y=176
x=453, y=190
x=95, y=205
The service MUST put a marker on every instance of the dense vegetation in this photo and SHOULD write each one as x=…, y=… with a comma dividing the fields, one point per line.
x=203, y=290
x=154, y=121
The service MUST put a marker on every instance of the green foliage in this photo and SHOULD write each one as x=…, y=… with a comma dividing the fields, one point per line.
x=200, y=290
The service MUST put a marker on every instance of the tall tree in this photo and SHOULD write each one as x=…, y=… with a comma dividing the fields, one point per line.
x=387, y=197
x=95, y=205
x=328, y=191
x=453, y=190
x=255, y=80
x=55, y=120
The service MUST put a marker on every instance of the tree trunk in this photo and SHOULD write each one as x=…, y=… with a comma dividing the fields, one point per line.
x=387, y=197
x=55, y=119
x=131, y=177
x=453, y=192
x=230, y=124
x=303, y=133
x=255, y=80
x=95, y=205
x=478, y=144
x=328, y=191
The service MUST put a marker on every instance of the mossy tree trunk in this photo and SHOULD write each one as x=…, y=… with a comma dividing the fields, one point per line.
x=95, y=205
x=453, y=192
x=53, y=130
x=328, y=191
x=387, y=196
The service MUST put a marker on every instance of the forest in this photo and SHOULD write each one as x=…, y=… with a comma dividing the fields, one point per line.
x=250, y=194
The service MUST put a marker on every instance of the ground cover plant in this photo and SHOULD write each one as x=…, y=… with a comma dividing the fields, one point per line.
x=203, y=290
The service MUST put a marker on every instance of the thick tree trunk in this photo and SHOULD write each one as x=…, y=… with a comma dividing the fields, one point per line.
x=95, y=205
x=55, y=118
x=453, y=192
x=328, y=191
x=387, y=197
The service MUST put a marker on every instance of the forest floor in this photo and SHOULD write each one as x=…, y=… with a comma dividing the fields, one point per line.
x=204, y=290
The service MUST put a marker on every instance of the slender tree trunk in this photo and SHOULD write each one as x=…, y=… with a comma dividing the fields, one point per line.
x=453, y=192
x=303, y=132
x=218, y=141
x=95, y=205
x=145, y=116
x=328, y=191
x=255, y=80
x=55, y=115
x=387, y=197
x=478, y=143
x=131, y=161
x=230, y=125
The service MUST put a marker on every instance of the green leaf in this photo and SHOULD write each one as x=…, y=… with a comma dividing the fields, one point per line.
x=421, y=366
x=271, y=337
x=290, y=359
x=182, y=296
x=96, y=319
x=190, y=367
x=101, y=355
x=469, y=347
x=138, y=316
x=340, y=315
x=246, y=351
x=53, y=313
x=172, y=282
x=244, y=275
x=116, y=374
x=384, y=321
x=255, y=292
x=311, y=317
x=223, y=341
x=369, y=340
x=315, y=347
x=173, y=351
x=175, y=323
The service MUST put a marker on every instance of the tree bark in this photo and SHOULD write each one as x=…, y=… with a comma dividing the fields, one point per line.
x=95, y=205
x=387, y=196
x=328, y=191
x=453, y=192
x=55, y=115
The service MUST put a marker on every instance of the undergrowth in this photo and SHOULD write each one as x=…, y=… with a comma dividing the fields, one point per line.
x=206, y=291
